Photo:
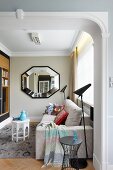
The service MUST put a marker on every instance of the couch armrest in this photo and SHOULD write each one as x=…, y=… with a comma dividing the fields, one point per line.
x=87, y=119
x=40, y=142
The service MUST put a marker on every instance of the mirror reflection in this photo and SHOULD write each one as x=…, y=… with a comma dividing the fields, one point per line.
x=40, y=82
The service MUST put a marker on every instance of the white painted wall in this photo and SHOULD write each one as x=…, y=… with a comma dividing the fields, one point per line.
x=19, y=100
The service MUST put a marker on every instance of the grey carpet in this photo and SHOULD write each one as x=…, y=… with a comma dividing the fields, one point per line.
x=13, y=149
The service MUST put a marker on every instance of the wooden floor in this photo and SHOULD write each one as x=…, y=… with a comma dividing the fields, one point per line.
x=30, y=164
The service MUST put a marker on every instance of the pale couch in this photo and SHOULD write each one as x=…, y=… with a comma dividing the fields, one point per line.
x=40, y=133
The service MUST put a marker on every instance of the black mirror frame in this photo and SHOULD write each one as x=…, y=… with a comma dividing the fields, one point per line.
x=36, y=96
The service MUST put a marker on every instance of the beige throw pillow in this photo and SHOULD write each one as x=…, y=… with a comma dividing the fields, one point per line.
x=75, y=113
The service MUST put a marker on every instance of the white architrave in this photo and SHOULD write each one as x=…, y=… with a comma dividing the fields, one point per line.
x=67, y=20
x=104, y=118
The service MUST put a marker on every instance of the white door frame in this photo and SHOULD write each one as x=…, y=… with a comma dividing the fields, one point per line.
x=67, y=20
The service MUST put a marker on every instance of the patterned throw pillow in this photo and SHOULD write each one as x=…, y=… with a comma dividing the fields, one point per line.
x=53, y=109
x=57, y=109
x=49, y=109
x=61, y=117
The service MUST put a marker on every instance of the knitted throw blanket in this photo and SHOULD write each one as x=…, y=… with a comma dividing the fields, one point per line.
x=53, y=149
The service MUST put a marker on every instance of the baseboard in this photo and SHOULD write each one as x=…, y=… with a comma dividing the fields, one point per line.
x=5, y=122
x=96, y=163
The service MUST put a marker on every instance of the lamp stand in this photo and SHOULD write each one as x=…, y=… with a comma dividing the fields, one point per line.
x=82, y=162
x=84, y=128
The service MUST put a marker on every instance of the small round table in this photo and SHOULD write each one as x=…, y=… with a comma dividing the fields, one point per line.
x=70, y=147
x=20, y=129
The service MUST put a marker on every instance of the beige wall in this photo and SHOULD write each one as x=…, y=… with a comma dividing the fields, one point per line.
x=19, y=100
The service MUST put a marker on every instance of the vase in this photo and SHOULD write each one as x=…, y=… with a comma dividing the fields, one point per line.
x=23, y=115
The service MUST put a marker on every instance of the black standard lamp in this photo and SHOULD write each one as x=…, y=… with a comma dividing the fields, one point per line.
x=63, y=90
x=79, y=92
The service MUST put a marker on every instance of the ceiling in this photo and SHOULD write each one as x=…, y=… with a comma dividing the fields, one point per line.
x=53, y=42
x=58, y=32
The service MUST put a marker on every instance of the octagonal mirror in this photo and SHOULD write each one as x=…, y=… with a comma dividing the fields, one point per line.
x=40, y=82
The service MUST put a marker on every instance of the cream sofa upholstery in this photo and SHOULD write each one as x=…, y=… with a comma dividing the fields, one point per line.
x=40, y=136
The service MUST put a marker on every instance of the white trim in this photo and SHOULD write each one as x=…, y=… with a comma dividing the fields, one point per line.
x=96, y=163
x=5, y=122
x=100, y=18
x=40, y=53
x=104, y=107
x=75, y=40
x=8, y=14
x=5, y=49
x=19, y=14
x=93, y=16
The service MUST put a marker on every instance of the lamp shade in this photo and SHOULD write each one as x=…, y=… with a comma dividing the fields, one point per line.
x=82, y=90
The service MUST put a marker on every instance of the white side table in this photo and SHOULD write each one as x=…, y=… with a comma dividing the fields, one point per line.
x=20, y=129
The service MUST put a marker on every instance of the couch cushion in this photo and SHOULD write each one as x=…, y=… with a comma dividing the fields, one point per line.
x=75, y=113
x=61, y=117
x=47, y=118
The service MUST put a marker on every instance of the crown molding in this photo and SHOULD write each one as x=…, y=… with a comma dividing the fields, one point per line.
x=75, y=40
x=34, y=54
x=40, y=54
x=23, y=20
x=5, y=49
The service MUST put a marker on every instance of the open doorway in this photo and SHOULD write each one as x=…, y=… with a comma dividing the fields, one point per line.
x=96, y=25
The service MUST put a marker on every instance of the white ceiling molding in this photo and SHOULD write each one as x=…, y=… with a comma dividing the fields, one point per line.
x=56, y=20
x=76, y=40
x=5, y=50
x=40, y=54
